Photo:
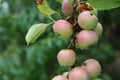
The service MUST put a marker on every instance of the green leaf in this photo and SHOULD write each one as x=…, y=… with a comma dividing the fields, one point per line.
x=60, y=1
x=104, y=4
x=97, y=79
x=35, y=31
x=45, y=9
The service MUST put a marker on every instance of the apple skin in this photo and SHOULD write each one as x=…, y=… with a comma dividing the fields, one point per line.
x=99, y=29
x=86, y=38
x=59, y=77
x=87, y=21
x=93, y=67
x=66, y=57
x=78, y=73
x=67, y=7
x=63, y=29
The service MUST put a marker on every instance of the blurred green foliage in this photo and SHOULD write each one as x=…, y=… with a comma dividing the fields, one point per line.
x=38, y=61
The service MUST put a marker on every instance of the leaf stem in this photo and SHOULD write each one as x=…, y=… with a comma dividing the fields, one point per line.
x=51, y=18
x=50, y=23
x=59, y=15
x=69, y=46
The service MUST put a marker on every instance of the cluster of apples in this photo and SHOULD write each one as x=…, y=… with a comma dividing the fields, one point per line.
x=90, y=28
x=89, y=69
x=82, y=25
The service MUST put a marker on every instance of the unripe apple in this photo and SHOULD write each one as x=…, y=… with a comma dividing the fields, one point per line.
x=78, y=73
x=65, y=74
x=99, y=29
x=94, y=12
x=66, y=57
x=59, y=77
x=76, y=42
x=87, y=38
x=67, y=7
x=93, y=67
x=63, y=29
x=87, y=21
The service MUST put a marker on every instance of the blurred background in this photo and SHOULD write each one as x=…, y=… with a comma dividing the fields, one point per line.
x=38, y=61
